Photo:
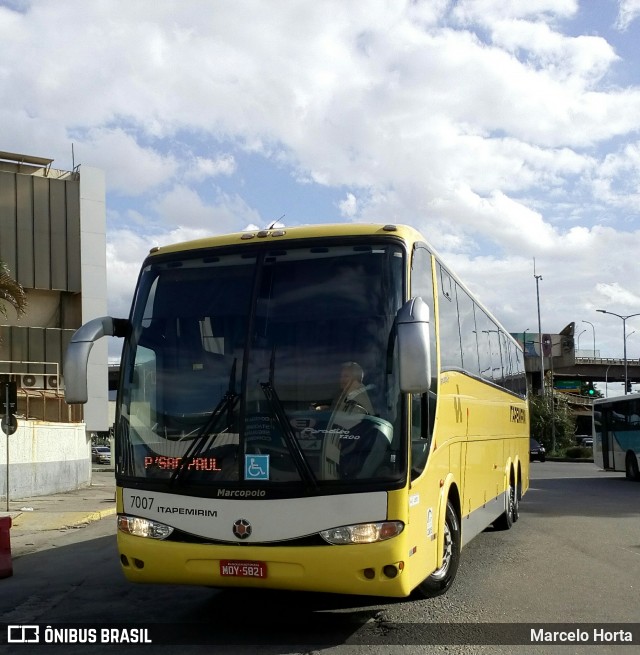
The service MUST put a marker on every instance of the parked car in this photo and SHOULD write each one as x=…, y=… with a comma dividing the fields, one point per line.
x=536, y=451
x=580, y=439
x=101, y=455
x=587, y=443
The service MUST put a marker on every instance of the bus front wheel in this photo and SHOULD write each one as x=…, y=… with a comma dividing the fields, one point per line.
x=441, y=579
x=631, y=467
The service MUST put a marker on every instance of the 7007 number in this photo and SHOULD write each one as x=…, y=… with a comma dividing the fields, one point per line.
x=141, y=502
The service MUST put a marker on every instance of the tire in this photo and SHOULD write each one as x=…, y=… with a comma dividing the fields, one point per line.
x=441, y=579
x=505, y=520
x=631, y=467
x=516, y=505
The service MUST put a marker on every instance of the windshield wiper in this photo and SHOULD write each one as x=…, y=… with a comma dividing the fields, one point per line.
x=302, y=465
x=226, y=406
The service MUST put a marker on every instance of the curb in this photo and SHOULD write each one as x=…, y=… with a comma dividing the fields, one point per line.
x=91, y=516
x=49, y=521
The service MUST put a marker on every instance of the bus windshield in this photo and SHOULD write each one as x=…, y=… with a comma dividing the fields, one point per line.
x=265, y=369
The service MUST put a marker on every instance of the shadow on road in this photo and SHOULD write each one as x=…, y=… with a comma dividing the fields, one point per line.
x=82, y=584
x=588, y=496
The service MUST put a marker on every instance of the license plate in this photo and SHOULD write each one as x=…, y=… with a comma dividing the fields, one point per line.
x=242, y=569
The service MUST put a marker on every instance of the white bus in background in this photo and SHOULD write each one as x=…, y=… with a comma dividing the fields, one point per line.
x=616, y=434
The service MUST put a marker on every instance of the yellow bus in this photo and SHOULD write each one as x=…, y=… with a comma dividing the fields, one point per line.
x=322, y=408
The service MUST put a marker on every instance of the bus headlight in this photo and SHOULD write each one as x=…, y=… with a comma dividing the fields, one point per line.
x=143, y=527
x=363, y=533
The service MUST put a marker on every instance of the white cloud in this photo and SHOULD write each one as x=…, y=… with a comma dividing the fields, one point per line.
x=184, y=207
x=490, y=11
x=581, y=60
x=617, y=178
x=349, y=206
x=125, y=252
x=617, y=294
x=494, y=126
x=204, y=167
x=628, y=11
x=131, y=168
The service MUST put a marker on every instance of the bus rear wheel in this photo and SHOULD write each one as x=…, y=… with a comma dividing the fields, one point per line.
x=511, y=511
x=631, y=467
x=516, y=504
x=441, y=579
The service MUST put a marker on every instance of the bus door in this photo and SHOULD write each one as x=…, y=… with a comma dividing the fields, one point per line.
x=603, y=429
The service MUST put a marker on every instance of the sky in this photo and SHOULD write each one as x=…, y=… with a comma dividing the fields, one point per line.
x=507, y=132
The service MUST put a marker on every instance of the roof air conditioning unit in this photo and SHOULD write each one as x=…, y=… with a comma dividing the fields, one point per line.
x=54, y=382
x=32, y=381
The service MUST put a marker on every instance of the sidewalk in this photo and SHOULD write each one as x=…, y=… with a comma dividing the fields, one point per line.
x=41, y=514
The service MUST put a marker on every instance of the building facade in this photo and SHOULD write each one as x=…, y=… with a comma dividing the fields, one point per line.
x=52, y=238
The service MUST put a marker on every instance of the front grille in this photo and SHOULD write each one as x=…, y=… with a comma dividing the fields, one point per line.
x=185, y=537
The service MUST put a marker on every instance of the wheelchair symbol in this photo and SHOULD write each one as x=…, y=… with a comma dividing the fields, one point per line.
x=255, y=470
x=256, y=467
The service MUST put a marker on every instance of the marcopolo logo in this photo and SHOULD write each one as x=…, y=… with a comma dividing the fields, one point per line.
x=241, y=493
x=242, y=529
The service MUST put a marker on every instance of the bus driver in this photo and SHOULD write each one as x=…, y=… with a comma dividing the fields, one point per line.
x=353, y=396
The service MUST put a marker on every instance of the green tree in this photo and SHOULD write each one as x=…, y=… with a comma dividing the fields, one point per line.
x=544, y=416
x=11, y=292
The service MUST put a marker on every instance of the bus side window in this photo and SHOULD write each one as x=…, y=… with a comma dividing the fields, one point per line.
x=423, y=405
x=468, y=332
x=448, y=324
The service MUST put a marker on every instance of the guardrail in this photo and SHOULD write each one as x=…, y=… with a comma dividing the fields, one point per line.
x=607, y=360
x=573, y=398
x=40, y=395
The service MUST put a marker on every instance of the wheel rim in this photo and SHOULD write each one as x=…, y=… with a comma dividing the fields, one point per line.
x=511, y=501
x=447, y=555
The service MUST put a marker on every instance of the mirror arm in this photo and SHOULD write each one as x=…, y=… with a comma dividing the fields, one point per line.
x=77, y=356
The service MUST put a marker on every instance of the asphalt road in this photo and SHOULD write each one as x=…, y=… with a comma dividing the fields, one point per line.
x=574, y=557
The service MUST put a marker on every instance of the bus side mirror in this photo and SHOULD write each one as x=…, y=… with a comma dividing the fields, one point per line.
x=414, y=356
x=76, y=358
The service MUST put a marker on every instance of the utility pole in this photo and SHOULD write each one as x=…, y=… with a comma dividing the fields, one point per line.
x=538, y=278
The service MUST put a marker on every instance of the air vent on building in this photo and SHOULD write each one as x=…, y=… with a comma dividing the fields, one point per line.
x=32, y=381
x=54, y=382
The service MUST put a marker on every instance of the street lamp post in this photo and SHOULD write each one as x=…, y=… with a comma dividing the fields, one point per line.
x=627, y=339
x=624, y=340
x=594, y=337
x=578, y=339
